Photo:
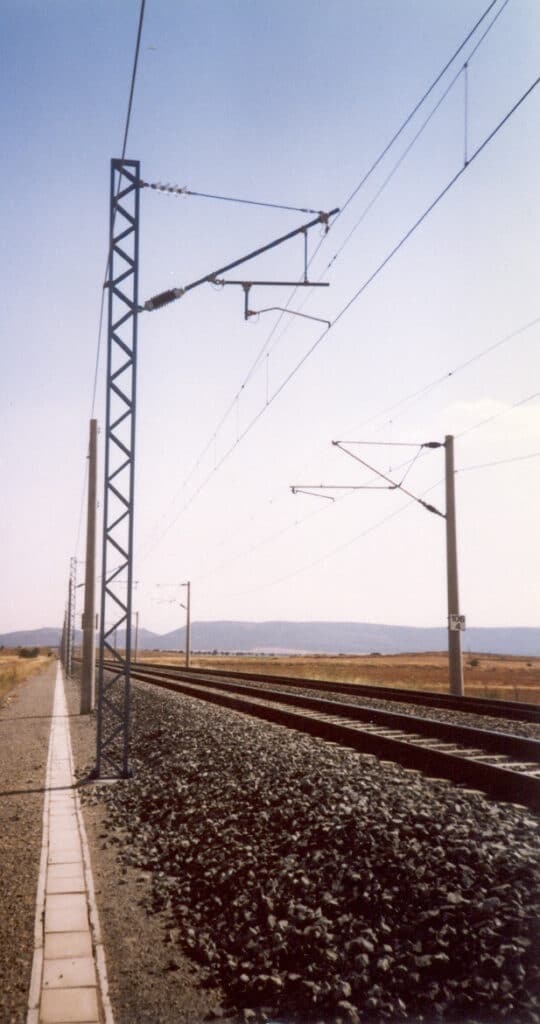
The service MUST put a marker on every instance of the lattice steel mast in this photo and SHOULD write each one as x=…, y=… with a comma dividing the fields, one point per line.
x=117, y=573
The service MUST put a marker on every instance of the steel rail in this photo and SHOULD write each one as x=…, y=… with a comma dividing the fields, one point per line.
x=429, y=746
x=513, y=710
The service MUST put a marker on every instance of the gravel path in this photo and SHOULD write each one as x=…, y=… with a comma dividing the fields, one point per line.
x=318, y=884
x=24, y=739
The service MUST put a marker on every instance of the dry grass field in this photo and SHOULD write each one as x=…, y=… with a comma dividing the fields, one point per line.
x=485, y=675
x=14, y=670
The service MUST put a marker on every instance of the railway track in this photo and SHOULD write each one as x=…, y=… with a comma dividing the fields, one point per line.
x=505, y=766
x=512, y=710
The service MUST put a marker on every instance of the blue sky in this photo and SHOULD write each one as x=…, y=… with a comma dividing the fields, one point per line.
x=285, y=102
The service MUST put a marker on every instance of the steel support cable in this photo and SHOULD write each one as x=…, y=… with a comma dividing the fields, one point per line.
x=267, y=347
x=124, y=144
x=421, y=392
x=297, y=522
x=266, y=540
x=173, y=294
x=133, y=77
x=350, y=198
x=336, y=550
x=414, y=396
x=416, y=108
x=394, y=485
x=256, y=546
x=106, y=274
x=391, y=254
x=177, y=190
x=105, y=278
x=363, y=287
x=420, y=103
x=499, y=462
x=497, y=415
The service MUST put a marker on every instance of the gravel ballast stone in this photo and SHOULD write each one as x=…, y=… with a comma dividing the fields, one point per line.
x=318, y=884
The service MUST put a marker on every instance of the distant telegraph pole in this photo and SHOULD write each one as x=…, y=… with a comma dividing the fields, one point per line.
x=456, y=622
x=89, y=615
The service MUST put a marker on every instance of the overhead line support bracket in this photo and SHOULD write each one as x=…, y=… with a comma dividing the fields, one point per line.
x=164, y=298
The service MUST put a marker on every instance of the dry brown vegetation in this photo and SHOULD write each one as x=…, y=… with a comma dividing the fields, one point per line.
x=485, y=675
x=14, y=670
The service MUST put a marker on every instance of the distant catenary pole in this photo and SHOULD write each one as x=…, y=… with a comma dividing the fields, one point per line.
x=88, y=673
x=188, y=623
x=136, y=636
x=455, y=665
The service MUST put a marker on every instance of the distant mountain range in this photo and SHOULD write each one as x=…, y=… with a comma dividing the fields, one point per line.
x=310, y=638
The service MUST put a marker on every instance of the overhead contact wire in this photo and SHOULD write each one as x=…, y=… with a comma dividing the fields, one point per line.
x=133, y=77
x=405, y=237
x=500, y=462
x=351, y=196
x=394, y=169
x=353, y=299
x=338, y=549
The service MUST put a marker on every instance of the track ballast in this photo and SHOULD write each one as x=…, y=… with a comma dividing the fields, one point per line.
x=503, y=765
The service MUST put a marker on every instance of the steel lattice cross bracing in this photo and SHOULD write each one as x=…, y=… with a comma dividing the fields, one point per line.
x=117, y=573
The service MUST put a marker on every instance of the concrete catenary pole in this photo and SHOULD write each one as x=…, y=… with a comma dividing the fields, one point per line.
x=69, y=636
x=88, y=672
x=136, y=655
x=455, y=665
x=188, y=622
x=63, y=643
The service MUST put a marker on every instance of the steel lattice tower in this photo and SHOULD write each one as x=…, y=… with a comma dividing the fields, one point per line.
x=117, y=572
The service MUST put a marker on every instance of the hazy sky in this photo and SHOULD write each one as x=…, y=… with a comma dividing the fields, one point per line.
x=286, y=101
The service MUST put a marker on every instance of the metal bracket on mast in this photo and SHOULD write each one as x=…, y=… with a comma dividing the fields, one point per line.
x=164, y=298
x=248, y=285
x=113, y=723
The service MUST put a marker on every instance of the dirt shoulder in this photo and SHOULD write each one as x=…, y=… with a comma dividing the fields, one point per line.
x=25, y=720
x=150, y=980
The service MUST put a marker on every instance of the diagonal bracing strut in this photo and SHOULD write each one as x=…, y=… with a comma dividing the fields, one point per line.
x=164, y=298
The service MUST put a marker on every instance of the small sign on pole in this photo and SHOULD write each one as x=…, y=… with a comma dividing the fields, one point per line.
x=457, y=623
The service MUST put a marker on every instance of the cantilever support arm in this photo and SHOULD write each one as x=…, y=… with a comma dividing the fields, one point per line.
x=176, y=293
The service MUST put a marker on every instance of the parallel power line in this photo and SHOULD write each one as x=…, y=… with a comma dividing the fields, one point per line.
x=357, y=294
x=381, y=522
x=327, y=555
x=353, y=195
x=415, y=396
x=463, y=70
x=500, y=462
x=340, y=547
x=408, y=400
